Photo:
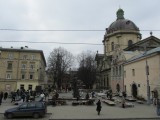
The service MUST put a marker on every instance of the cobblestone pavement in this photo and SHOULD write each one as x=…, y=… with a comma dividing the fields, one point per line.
x=139, y=111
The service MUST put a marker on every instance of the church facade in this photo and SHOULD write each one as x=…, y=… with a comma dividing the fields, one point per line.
x=122, y=41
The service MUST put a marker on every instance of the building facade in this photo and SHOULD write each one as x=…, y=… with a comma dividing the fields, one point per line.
x=135, y=79
x=122, y=42
x=122, y=33
x=21, y=68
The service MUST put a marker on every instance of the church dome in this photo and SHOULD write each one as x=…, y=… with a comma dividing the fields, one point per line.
x=121, y=23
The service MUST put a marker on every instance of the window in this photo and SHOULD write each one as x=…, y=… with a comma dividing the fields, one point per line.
x=23, y=66
x=39, y=105
x=24, y=57
x=31, y=76
x=130, y=42
x=32, y=66
x=23, y=106
x=31, y=105
x=10, y=56
x=29, y=87
x=133, y=72
x=22, y=87
x=8, y=76
x=23, y=76
x=33, y=57
x=9, y=67
x=112, y=46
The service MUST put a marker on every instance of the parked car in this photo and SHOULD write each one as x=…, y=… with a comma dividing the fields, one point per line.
x=33, y=109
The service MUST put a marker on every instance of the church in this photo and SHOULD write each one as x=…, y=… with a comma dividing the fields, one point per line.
x=129, y=63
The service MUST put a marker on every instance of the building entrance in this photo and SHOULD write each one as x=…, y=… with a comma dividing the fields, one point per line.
x=134, y=90
x=118, y=88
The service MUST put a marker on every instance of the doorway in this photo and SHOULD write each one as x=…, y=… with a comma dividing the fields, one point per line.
x=134, y=90
x=118, y=88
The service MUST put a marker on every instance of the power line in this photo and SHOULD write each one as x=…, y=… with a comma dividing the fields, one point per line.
x=56, y=30
x=34, y=30
x=61, y=43
x=54, y=42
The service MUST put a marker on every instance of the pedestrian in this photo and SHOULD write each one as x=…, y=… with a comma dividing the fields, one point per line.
x=87, y=96
x=93, y=94
x=56, y=95
x=158, y=107
x=13, y=94
x=123, y=102
x=1, y=96
x=27, y=97
x=5, y=95
x=98, y=106
x=42, y=97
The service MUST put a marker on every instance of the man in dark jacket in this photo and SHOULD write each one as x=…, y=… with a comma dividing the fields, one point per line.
x=98, y=107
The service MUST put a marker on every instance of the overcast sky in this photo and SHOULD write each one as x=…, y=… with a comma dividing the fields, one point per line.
x=71, y=15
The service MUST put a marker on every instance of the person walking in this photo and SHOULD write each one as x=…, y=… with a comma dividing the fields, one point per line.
x=98, y=106
x=123, y=102
x=5, y=95
x=1, y=96
x=42, y=97
x=158, y=107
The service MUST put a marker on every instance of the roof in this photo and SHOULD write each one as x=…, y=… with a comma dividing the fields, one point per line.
x=24, y=49
x=99, y=56
x=122, y=24
x=142, y=55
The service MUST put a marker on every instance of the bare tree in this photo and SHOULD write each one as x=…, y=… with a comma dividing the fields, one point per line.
x=87, y=68
x=59, y=62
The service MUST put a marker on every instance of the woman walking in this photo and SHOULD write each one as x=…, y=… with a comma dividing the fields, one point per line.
x=98, y=107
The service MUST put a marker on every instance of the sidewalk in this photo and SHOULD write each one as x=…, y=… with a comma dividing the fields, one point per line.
x=108, y=112
x=89, y=112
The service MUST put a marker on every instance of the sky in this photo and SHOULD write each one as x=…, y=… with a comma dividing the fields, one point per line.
x=49, y=24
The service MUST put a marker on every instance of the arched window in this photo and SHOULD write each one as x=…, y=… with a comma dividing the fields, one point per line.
x=112, y=46
x=130, y=42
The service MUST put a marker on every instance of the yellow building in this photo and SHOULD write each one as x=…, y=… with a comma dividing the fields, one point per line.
x=21, y=68
x=122, y=41
x=136, y=75
x=123, y=33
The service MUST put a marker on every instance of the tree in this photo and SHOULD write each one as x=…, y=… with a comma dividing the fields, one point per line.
x=59, y=62
x=87, y=68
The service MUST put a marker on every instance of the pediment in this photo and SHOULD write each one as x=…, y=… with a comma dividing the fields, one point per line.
x=151, y=42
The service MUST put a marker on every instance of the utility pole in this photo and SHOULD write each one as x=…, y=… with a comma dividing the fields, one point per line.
x=148, y=87
x=147, y=74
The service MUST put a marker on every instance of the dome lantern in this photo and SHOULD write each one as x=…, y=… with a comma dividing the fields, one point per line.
x=120, y=14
